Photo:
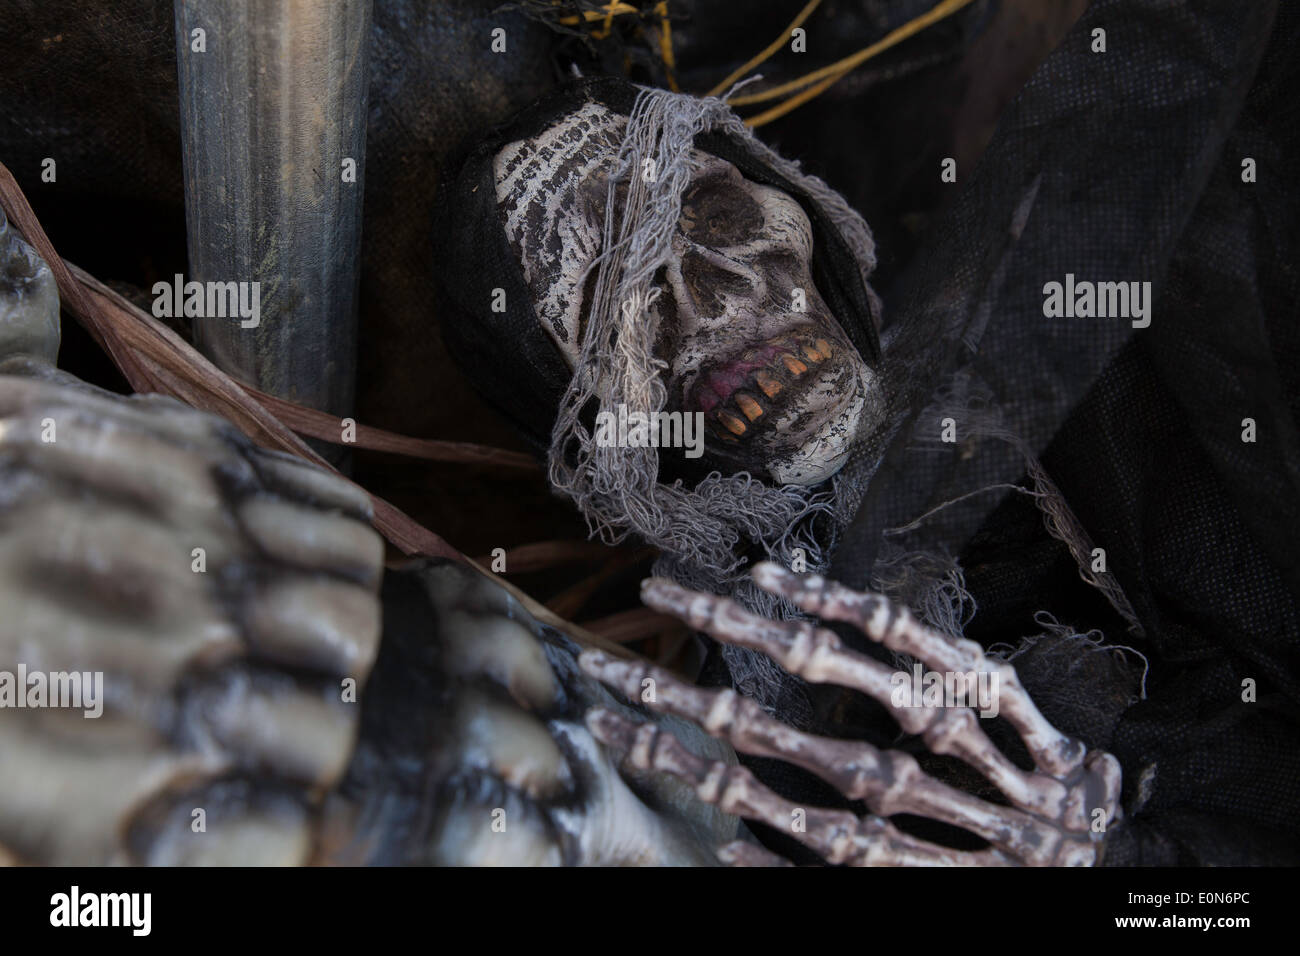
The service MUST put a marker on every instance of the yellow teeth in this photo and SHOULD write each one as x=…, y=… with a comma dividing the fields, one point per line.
x=768, y=383
x=749, y=406
x=818, y=351
x=746, y=407
x=732, y=423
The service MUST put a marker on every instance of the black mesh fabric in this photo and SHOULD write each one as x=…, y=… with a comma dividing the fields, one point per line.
x=1127, y=166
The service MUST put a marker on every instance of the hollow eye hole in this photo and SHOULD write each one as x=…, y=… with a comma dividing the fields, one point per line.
x=719, y=213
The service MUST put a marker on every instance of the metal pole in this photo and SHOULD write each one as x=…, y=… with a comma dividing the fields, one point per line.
x=273, y=107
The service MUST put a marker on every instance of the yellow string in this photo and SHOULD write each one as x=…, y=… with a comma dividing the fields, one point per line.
x=794, y=102
x=763, y=57
x=614, y=9
x=603, y=32
x=611, y=10
x=836, y=71
x=666, y=44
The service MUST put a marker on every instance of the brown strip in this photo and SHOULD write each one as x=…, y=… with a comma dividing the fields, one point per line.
x=570, y=601
x=326, y=427
x=540, y=555
x=634, y=625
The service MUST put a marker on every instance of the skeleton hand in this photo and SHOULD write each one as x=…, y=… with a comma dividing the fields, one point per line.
x=1058, y=811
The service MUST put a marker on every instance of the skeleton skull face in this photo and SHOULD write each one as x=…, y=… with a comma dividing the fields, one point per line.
x=746, y=337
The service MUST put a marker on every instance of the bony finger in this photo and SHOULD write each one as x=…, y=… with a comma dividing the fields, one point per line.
x=306, y=483
x=314, y=540
x=103, y=455
x=112, y=592
x=305, y=730
x=321, y=623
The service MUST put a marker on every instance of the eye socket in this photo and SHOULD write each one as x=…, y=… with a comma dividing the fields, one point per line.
x=719, y=213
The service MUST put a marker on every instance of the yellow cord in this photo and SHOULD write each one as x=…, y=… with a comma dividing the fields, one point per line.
x=821, y=79
x=763, y=57
x=941, y=10
x=666, y=45
x=611, y=10
x=603, y=32
x=614, y=9
x=835, y=71
x=794, y=102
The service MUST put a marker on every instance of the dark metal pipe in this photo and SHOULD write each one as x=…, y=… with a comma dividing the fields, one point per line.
x=271, y=109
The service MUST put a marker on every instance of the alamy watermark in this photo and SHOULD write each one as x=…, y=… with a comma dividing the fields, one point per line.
x=624, y=429
x=75, y=908
x=209, y=300
x=1099, y=300
x=75, y=690
x=921, y=688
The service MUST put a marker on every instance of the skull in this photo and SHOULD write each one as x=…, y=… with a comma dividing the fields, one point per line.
x=747, y=340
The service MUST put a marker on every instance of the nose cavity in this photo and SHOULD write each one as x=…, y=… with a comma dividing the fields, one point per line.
x=712, y=278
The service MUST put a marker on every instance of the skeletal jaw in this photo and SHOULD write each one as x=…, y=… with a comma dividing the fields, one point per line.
x=791, y=405
x=824, y=452
x=732, y=394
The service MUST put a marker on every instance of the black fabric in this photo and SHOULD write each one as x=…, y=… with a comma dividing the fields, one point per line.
x=508, y=356
x=1127, y=166
x=1094, y=170
x=527, y=380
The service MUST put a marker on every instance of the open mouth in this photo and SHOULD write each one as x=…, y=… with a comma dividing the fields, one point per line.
x=740, y=397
